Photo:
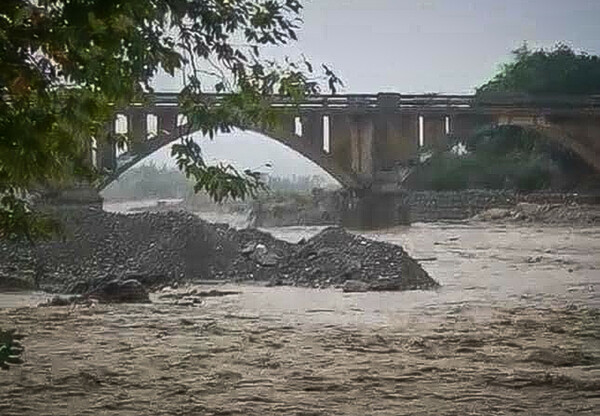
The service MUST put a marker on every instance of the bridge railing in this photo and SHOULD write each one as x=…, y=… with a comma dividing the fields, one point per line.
x=409, y=101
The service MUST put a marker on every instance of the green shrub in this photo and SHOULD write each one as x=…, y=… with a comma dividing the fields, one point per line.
x=506, y=157
x=10, y=349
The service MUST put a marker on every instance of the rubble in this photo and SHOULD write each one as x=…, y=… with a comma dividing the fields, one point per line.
x=101, y=254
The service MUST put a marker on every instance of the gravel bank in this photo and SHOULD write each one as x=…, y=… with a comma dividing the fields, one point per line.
x=159, y=249
x=551, y=214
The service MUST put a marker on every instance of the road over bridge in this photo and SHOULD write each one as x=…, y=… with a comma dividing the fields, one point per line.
x=366, y=141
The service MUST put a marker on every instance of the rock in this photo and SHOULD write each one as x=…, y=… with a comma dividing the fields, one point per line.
x=264, y=257
x=355, y=286
x=117, y=291
x=248, y=249
x=60, y=301
x=534, y=259
x=155, y=249
x=10, y=348
x=493, y=214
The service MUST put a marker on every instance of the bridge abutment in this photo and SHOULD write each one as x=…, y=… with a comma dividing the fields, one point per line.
x=138, y=129
x=361, y=145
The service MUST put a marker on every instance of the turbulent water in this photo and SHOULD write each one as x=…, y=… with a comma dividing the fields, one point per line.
x=236, y=220
x=515, y=328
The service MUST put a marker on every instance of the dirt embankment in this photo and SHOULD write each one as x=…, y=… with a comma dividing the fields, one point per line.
x=430, y=206
x=158, y=249
x=551, y=214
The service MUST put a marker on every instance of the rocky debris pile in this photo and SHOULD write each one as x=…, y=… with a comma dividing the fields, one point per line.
x=120, y=291
x=154, y=249
x=259, y=256
x=17, y=281
x=17, y=266
x=552, y=214
x=335, y=258
x=116, y=258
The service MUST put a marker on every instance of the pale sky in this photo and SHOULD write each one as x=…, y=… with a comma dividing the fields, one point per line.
x=411, y=46
x=443, y=46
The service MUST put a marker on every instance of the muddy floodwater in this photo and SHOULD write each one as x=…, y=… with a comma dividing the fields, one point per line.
x=514, y=329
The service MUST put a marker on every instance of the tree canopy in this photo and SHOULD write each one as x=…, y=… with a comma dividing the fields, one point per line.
x=560, y=70
x=510, y=157
x=66, y=66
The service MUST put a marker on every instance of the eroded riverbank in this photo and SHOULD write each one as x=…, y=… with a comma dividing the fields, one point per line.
x=513, y=329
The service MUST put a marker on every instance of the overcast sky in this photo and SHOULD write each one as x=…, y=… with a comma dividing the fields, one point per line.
x=415, y=46
x=444, y=46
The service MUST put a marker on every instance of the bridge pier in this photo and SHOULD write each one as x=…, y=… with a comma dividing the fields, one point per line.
x=368, y=210
x=361, y=146
x=167, y=121
x=138, y=130
x=106, y=154
x=434, y=131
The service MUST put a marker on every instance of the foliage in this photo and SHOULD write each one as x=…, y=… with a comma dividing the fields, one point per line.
x=510, y=157
x=469, y=172
x=10, y=349
x=506, y=157
x=557, y=71
x=67, y=65
x=17, y=218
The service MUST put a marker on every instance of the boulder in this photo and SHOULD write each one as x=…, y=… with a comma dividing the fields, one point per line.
x=120, y=291
x=493, y=214
x=355, y=286
x=263, y=256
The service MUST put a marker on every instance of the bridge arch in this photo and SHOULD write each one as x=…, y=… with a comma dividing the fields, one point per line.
x=578, y=135
x=373, y=139
x=142, y=149
x=581, y=137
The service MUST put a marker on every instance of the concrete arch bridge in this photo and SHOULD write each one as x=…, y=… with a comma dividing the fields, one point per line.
x=365, y=141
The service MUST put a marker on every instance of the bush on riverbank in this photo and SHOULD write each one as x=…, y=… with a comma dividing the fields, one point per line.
x=503, y=158
x=10, y=349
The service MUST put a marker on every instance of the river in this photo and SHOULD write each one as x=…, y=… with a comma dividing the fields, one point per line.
x=514, y=328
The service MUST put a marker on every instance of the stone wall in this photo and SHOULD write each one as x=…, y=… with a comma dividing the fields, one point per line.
x=428, y=206
x=381, y=210
x=320, y=208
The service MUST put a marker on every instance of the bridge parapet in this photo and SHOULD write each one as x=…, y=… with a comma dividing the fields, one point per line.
x=407, y=101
